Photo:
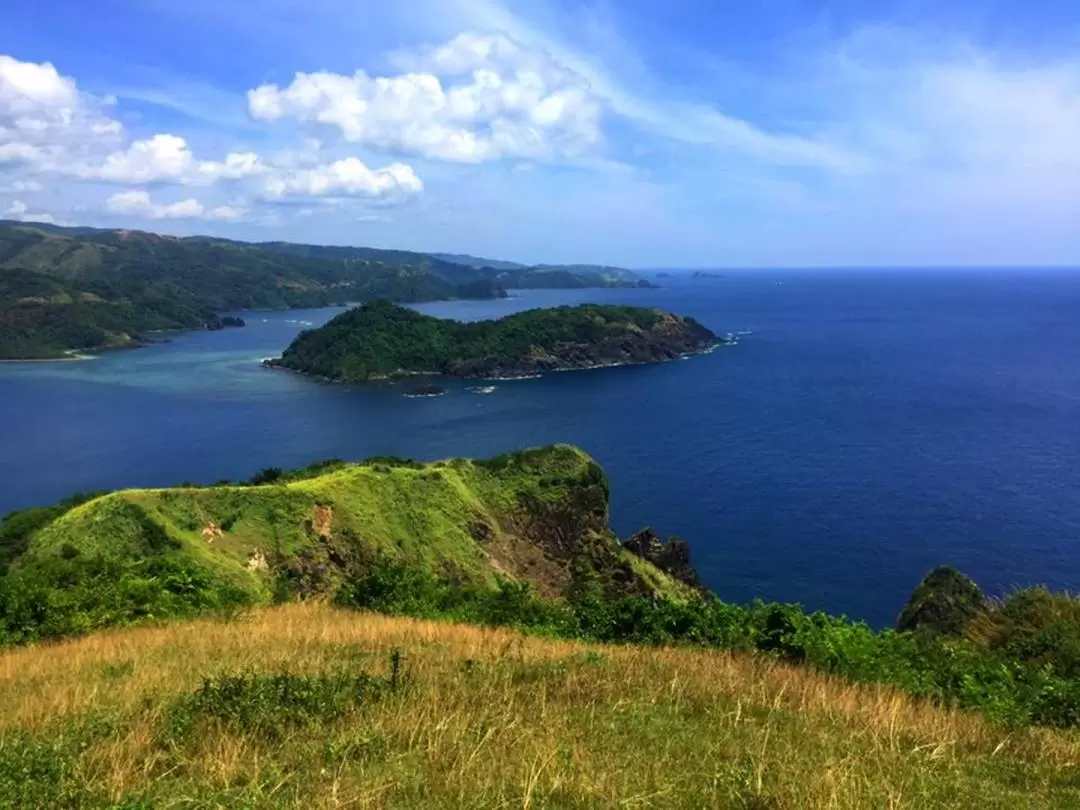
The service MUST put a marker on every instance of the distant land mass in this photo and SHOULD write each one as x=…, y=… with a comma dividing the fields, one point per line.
x=513, y=275
x=479, y=262
x=382, y=340
x=72, y=289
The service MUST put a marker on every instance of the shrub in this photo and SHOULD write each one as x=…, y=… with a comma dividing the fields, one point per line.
x=271, y=705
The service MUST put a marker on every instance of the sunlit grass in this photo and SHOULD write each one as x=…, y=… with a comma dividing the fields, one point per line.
x=490, y=718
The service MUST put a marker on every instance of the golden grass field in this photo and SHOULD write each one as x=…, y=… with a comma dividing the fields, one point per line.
x=491, y=718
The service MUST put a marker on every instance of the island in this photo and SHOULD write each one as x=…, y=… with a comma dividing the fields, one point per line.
x=382, y=340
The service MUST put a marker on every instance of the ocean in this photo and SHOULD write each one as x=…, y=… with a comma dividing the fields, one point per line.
x=868, y=426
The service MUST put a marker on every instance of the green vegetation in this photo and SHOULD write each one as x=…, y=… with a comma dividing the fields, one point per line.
x=521, y=541
x=304, y=706
x=72, y=289
x=130, y=556
x=382, y=340
x=82, y=289
x=308, y=705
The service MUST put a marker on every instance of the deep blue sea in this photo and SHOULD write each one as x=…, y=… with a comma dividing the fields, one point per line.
x=873, y=425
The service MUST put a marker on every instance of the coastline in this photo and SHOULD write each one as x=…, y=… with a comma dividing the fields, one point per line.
x=73, y=357
x=403, y=375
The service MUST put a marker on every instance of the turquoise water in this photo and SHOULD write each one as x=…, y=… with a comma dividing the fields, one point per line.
x=871, y=426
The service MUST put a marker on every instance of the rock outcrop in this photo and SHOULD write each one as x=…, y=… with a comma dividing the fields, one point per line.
x=672, y=557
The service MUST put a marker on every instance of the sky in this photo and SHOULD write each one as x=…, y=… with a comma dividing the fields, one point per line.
x=682, y=133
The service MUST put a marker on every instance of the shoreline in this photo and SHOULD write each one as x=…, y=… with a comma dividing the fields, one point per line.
x=404, y=375
x=73, y=357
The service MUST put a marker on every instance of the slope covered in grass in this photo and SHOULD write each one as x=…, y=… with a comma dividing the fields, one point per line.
x=522, y=540
x=303, y=706
x=153, y=553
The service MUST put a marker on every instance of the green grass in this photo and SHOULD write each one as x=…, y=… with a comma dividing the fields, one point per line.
x=302, y=706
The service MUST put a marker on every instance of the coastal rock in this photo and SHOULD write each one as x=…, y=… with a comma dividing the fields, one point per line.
x=671, y=557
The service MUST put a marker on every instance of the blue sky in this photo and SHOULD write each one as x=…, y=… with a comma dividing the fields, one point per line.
x=647, y=134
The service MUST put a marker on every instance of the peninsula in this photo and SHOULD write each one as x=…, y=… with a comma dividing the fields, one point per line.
x=382, y=340
x=72, y=289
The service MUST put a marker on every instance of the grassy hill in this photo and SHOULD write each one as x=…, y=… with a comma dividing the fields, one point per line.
x=306, y=706
x=96, y=561
x=218, y=695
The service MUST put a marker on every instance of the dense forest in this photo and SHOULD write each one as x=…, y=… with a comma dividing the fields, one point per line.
x=381, y=340
x=64, y=289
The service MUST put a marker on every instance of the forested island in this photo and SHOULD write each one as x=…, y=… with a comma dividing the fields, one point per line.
x=383, y=340
x=65, y=290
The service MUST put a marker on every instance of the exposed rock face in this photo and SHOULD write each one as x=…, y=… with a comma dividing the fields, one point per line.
x=671, y=557
x=258, y=562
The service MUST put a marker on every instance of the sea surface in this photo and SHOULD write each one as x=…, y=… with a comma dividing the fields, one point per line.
x=871, y=426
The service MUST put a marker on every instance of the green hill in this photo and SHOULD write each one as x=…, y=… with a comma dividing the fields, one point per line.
x=69, y=289
x=528, y=517
x=108, y=288
x=521, y=540
x=383, y=340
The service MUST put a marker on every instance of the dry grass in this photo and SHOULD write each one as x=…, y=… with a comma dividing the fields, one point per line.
x=495, y=719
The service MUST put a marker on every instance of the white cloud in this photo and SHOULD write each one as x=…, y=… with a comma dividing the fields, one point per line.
x=20, y=212
x=512, y=103
x=29, y=89
x=228, y=212
x=342, y=178
x=44, y=117
x=168, y=158
x=140, y=203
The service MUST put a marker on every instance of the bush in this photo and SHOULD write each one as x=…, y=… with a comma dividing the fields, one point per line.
x=70, y=596
x=271, y=705
x=1001, y=682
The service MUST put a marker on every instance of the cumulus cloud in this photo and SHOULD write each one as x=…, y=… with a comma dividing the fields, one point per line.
x=140, y=203
x=348, y=177
x=495, y=99
x=168, y=158
x=44, y=116
x=20, y=212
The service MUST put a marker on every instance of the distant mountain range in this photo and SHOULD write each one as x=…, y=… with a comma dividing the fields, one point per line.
x=515, y=275
x=69, y=289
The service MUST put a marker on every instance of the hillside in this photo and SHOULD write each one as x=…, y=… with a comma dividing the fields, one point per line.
x=305, y=706
x=516, y=276
x=531, y=517
x=112, y=287
x=479, y=262
x=71, y=289
x=521, y=540
x=383, y=340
